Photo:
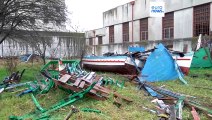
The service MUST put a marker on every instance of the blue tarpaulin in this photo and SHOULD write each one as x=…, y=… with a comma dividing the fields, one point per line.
x=160, y=66
x=136, y=49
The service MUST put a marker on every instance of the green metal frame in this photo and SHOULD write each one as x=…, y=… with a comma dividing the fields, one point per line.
x=56, y=62
x=42, y=113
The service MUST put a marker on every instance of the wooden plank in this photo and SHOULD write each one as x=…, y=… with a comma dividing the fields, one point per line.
x=122, y=97
x=195, y=114
x=89, y=78
x=93, y=79
x=76, y=83
x=93, y=91
x=64, y=78
x=105, y=95
x=82, y=84
x=117, y=102
x=97, y=78
x=101, y=90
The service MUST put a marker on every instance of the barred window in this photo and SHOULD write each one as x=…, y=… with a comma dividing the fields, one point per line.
x=201, y=20
x=125, y=31
x=168, y=26
x=144, y=29
x=100, y=40
x=111, y=34
x=168, y=32
x=90, y=41
x=144, y=35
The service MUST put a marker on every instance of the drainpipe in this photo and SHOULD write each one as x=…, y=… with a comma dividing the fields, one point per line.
x=2, y=50
x=94, y=42
x=132, y=3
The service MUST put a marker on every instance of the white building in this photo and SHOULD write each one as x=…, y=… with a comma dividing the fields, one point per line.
x=62, y=43
x=131, y=24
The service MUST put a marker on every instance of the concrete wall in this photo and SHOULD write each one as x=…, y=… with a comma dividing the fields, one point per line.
x=178, y=45
x=183, y=25
x=123, y=13
x=118, y=33
x=136, y=31
x=155, y=28
x=106, y=37
x=121, y=48
x=62, y=46
x=141, y=9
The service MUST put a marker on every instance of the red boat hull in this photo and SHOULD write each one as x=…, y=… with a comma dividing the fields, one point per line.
x=122, y=69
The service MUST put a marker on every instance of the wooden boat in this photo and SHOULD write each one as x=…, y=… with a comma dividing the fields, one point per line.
x=184, y=62
x=122, y=64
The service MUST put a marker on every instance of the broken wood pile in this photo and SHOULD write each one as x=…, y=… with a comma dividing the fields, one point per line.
x=68, y=77
x=76, y=84
x=173, y=110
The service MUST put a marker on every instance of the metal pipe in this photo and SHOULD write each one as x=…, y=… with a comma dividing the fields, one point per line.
x=132, y=3
x=94, y=42
x=37, y=103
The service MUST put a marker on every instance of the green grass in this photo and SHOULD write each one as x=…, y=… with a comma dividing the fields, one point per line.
x=12, y=105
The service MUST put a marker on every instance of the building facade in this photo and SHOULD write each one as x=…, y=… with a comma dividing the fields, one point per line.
x=48, y=35
x=57, y=45
x=131, y=24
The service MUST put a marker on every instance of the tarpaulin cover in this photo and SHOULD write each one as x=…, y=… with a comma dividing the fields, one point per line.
x=160, y=66
x=202, y=58
x=136, y=49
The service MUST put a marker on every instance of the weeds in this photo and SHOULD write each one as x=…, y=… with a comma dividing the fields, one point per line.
x=12, y=105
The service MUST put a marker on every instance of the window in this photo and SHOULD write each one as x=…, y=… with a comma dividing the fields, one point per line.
x=168, y=26
x=201, y=20
x=168, y=32
x=111, y=34
x=144, y=35
x=125, y=31
x=144, y=29
x=90, y=41
x=185, y=48
x=100, y=40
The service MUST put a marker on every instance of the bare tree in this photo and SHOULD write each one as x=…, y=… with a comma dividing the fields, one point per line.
x=35, y=39
x=24, y=14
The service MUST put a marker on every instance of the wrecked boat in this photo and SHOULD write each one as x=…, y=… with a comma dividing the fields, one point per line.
x=202, y=58
x=116, y=63
x=122, y=64
x=184, y=62
x=160, y=66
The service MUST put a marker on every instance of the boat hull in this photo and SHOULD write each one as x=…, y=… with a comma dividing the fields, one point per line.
x=122, y=69
x=184, y=62
x=115, y=64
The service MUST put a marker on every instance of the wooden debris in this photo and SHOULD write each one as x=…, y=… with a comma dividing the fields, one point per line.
x=195, y=114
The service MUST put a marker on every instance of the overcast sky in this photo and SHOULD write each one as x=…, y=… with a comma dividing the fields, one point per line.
x=88, y=14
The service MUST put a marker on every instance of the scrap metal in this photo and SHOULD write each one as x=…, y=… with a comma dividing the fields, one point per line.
x=44, y=113
x=71, y=78
x=181, y=98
